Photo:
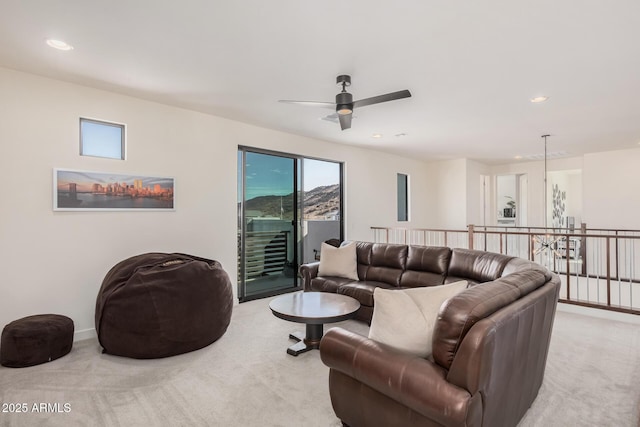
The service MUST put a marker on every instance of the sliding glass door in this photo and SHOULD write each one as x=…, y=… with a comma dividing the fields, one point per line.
x=267, y=232
x=287, y=206
x=321, y=205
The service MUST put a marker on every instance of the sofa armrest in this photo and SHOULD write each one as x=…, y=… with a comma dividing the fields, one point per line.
x=308, y=272
x=410, y=380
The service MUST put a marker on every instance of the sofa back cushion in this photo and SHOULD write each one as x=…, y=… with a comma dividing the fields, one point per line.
x=387, y=263
x=478, y=266
x=363, y=256
x=521, y=264
x=426, y=266
x=464, y=310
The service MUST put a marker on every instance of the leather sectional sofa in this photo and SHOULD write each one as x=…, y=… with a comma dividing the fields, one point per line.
x=490, y=342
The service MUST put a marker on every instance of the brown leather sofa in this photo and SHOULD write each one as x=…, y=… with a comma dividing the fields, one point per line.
x=490, y=342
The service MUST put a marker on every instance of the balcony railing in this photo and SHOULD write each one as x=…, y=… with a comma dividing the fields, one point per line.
x=265, y=253
x=598, y=267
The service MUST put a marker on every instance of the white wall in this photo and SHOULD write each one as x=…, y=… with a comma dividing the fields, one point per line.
x=608, y=199
x=569, y=182
x=54, y=262
x=610, y=195
x=474, y=191
x=457, y=188
x=574, y=199
x=450, y=202
x=315, y=232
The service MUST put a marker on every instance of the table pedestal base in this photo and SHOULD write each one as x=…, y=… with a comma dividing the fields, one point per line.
x=305, y=343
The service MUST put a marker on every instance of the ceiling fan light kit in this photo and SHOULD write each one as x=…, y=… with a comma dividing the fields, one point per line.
x=345, y=104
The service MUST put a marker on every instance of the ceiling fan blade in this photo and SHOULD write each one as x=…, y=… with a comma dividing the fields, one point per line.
x=331, y=105
x=334, y=117
x=382, y=98
x=345, y=121
x=331, y=118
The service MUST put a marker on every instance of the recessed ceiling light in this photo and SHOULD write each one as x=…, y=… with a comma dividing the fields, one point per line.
x=517, y=157
x=376, y=135
x=539, y=99
x=59, y=44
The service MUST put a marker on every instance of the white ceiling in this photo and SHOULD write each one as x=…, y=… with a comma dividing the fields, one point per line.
x=471, y=66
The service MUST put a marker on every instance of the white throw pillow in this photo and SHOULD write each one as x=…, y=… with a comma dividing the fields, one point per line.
x=405, y=318
x=339, y=262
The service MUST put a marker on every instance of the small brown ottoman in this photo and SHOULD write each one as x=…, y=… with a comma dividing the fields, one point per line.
x=36, y=339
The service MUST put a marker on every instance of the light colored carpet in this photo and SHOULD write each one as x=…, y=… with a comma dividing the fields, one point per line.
x=247, y=379
x=592, y=376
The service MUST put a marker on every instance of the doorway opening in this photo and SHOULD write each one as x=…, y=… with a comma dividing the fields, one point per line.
x=512, y=200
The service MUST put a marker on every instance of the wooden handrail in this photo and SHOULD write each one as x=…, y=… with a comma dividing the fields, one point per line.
x=583, y=267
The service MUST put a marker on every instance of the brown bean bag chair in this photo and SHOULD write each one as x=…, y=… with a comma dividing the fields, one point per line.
x=158, y=305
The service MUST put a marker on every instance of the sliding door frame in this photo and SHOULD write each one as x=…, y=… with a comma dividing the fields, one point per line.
x=298, y=202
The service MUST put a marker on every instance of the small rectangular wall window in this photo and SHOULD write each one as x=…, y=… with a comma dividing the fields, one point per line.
x=403, y=197
x=102, y=139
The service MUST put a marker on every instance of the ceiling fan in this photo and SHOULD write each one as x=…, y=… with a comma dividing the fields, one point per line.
x=345, y=104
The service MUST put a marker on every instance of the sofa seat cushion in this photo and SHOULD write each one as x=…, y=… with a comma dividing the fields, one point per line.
x=454, y=279
x=420, y=279
x=390, y=276
x=328, y=284
x=363, y=291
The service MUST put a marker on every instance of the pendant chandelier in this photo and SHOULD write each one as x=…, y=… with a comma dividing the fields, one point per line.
x=546, y=242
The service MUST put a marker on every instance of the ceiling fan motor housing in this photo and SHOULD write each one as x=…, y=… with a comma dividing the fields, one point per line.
x=344, y=103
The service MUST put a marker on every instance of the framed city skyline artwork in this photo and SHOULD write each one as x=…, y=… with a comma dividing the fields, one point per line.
x=75, y=190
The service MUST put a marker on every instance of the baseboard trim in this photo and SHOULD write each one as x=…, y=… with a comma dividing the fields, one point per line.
x=600, y=313
x=84, y=334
